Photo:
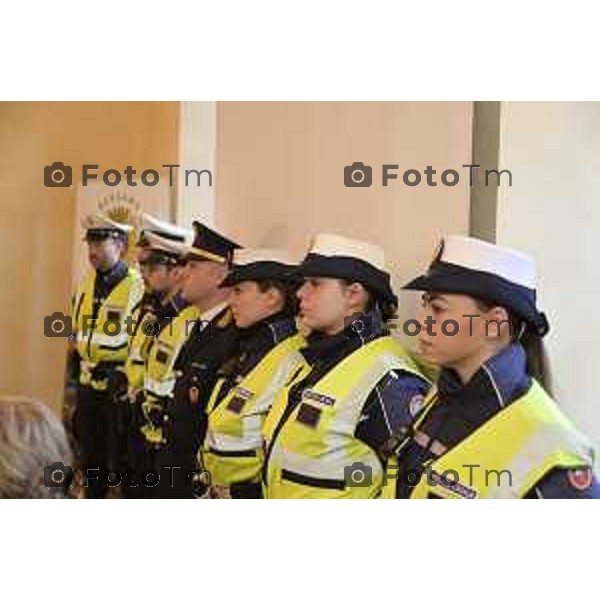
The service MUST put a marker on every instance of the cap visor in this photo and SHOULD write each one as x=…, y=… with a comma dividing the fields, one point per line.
x=423, y=283
x=230, y=280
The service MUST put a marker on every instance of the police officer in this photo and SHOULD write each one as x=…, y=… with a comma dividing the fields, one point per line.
x=489, y=429
x=262, y=302
x=330, y=431
x=160, y=257
x=161, y=266
x=101, y=305
x=183, y=364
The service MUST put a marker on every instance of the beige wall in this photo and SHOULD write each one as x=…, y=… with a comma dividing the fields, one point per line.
x=552, y=211
x=279, y=174
x=36, y=223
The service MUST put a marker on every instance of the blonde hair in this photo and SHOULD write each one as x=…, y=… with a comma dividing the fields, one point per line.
x=31, y=439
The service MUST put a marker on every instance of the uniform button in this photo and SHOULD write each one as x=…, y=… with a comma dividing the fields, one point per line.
x=166, y=418
x=195, y=379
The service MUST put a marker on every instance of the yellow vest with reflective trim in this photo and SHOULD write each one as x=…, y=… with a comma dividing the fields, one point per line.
x=508, y=454
x=139, y=345
x=233, y=446
x=314, y=454
x=100, y=340
x=160, y=376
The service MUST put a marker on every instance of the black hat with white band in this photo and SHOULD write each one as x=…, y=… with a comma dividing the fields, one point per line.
x=466, y=265
x=259, y=265
x=340, y=257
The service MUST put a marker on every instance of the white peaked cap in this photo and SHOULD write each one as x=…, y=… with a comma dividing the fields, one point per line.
x=101, y=221
x=247, y=256
x=150, y=224
x=478, y=255
x=333, y=245
x=157, y=242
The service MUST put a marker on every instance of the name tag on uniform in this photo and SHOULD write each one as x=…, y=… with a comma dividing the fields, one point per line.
x=244, y=393
x=113, y=315
x=320, y=398
x=458, y=488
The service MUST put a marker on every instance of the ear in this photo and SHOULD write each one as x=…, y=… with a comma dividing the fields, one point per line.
x=275, y=297
x=500, y=317
x=357, y=295
x=354, y=288
x=497, y=313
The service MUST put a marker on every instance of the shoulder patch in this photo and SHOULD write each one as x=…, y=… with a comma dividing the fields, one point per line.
x=580, y=479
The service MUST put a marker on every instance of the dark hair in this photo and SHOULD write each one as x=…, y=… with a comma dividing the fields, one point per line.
x=388, y=310
x=287, y=290
x=522, y=332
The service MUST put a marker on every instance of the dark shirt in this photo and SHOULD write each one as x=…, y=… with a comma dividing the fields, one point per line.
x=208, y=347
x=463, y=408
x=105, y=282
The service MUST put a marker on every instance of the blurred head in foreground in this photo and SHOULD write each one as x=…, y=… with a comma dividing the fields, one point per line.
x=32, y=440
